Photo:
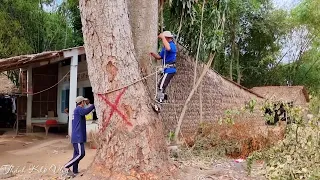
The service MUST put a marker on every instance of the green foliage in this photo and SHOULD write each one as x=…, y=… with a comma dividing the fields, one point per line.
x=72, y=11
x=307, y=72
x=251, y=105
x=314, y=105
x=302, y=72
x=171, y=136
x=305, y=66
x=213, y=24
x=229, y=116
x=25, y=27
x=307, y=13
x=298, y=155
x=269, y=117
x=12, y=39
x=261, y=46
x=250, y=35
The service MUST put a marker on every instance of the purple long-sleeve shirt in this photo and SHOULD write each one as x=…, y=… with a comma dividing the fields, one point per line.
x=79, y=130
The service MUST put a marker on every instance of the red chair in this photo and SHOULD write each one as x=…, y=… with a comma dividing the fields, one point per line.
x=51, y=122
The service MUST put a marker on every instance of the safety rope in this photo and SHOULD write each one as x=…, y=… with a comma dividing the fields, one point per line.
x=141, y=79
x=162, y=70
x=158, y=79
x=125, y=86
x=117, y=89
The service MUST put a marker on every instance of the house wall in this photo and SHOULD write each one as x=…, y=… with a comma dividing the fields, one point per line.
x=293, y=94
x=83, y=81
x=44, y=77
x=218, y=95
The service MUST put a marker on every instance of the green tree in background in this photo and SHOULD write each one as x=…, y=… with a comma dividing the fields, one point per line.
x=305, y=70
x=252, y=36
x=251, y=53
x=25, y=27
x=72, y=11
x=261, y=46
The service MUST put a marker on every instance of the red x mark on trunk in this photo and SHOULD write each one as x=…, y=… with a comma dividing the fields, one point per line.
x=114, y=108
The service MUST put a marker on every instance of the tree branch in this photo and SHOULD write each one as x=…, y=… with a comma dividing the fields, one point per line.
x=198, y=49
x=185, y=107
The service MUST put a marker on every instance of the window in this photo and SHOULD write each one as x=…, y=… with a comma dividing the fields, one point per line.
x=65, y=99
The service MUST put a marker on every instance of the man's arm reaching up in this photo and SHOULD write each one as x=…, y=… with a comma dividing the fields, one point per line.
x=85, y=111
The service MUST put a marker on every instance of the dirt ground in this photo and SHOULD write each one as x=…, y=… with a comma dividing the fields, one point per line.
x=38, y=157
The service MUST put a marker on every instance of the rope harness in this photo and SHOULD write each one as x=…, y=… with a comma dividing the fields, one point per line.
x=159, y=94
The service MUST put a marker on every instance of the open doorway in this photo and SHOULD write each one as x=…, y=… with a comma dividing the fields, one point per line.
x=87, y=93
x=7, y=112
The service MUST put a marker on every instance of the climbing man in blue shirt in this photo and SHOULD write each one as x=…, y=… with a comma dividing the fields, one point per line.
x=79, y=135
x=168, y=55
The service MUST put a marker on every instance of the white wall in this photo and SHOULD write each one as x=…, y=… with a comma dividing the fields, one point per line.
x=63, y=70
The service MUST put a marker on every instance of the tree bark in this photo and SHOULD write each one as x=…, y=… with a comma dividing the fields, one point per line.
x=199, y=43
x=200, y=104
x=132, y=144
x=161, y=2
x=239, y=75
x=232, y=54
x=144, y=27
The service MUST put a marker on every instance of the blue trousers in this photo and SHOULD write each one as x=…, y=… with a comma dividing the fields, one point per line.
x=78, y=154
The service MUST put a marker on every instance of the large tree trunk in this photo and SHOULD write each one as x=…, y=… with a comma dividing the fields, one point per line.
x=144, y=27
x=161, y=2
x=132, y=144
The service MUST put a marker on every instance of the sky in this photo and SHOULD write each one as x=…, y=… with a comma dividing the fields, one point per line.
x=291, y=49
x=52, y=7
x=285, y=4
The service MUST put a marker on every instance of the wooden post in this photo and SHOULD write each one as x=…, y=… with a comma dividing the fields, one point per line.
x=29, y=99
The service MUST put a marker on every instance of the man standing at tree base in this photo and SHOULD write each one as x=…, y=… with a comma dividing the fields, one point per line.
x=79, y=135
